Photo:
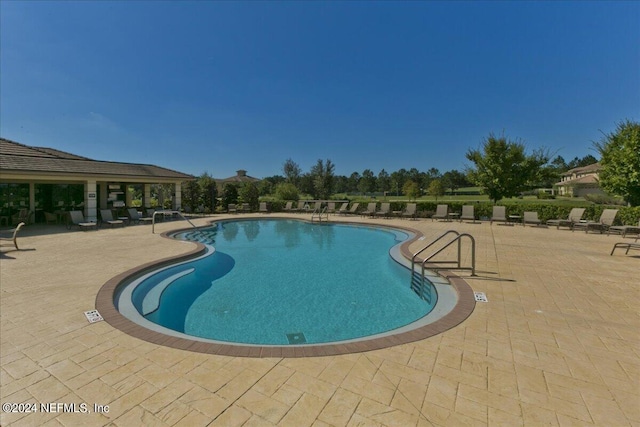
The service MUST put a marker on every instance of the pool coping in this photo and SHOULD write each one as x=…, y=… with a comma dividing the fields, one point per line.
x=106, y=307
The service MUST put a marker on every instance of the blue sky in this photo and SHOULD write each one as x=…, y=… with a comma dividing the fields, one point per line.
x=220, y=86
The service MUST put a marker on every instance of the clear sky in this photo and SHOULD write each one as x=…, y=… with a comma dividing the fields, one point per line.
x=220, y=86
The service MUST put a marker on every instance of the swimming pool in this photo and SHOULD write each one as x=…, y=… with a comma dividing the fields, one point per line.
x=280, y=282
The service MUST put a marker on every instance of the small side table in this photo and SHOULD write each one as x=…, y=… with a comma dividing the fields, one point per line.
x=453, y=215
x=514, y=219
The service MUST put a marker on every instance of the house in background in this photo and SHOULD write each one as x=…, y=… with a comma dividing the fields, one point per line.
x=577, y=182
x=239, y=178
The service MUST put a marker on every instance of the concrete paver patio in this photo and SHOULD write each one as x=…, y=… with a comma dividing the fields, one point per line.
x=557, y=343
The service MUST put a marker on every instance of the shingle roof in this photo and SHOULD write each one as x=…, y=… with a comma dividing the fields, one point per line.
x=18, y=157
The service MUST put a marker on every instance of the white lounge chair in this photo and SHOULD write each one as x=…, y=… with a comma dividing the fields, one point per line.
x=14, y=236
x=77, y=218
x=499, y=214
x=263, y=207
x=468, y=213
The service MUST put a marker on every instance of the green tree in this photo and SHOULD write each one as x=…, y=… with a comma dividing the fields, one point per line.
x=208, y=192
x=191, y=194
x=411, y=189
x=367, y=183
x=291, y=171
x=453, y=180
x=620, y=151
x=323, y=176
x=249, y=193
x=503, y=168
x=384, y=181
x=436, y=189
x=229, y=194
x=287, y=191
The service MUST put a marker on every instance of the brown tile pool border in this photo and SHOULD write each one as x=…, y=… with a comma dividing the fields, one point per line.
x=105, y=305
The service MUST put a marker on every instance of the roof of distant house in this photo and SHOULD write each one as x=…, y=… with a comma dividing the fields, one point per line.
x=241, y=176
x=16, y=157
x=592, y=168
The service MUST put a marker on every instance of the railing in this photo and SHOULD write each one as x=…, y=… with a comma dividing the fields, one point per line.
x=419, y=283
x=319, y=214
x=165, y=213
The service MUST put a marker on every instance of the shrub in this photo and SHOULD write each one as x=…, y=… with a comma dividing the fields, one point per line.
x=603, y=199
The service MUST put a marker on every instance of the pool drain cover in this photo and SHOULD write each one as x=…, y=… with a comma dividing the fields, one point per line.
x=296, y=338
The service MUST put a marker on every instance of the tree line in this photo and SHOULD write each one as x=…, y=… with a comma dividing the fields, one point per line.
x=501, y=166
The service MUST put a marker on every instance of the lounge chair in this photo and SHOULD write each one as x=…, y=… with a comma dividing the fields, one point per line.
x=385, y=210
x=331, y=207
x=287, y=207
x=625, y=229
x=245, y=207
x=574, y=216
x=231, y=208
x=635, y=246
x=23, y=215
x=14, y=236
x=442, y=212
x=263, y=207
x=606, y=220
x=77, y=218
x=468, y=213
x=300, y=207
x=107, y=218
x=135, y=217
x=410, y=211
x=499, y=214
x=530, y=218
x=344, y=208
x=354, y=209
x=371, y=209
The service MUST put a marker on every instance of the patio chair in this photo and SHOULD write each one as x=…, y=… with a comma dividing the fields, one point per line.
x=344, y=208
x=331, y=207
x=468, y=213
x=245, y=207
x=635, y=246
x=385, y=210
x=300, y=206
x=625, y=229
x=14, y=236
x=77, y=218
x=231, y=208
x=354, y=209
x=603, y=224
x=499, y=214
x=287, y=207
x=107, y=218
x=442, y=212
x=263, y=207
x=371, y=209
x=530, y=218
x=410, y=211
x=23, y=215
x=136, y=218
x=574, y=216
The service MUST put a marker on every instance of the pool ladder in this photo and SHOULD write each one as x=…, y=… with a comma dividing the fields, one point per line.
x=319, y=214
x=419, y=283
x=204, y=237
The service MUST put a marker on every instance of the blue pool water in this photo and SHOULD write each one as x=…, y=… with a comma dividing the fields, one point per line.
x=281, y=282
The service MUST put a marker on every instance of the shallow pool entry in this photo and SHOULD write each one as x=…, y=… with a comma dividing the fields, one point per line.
x=283, y=282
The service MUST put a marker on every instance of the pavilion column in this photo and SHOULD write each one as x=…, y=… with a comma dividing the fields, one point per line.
x=32, y=200
x=177, y=198
x=146, y=196
x=104, y=195
x=90, y=201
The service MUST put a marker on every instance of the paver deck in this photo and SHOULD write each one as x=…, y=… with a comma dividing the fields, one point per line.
x=557, y=343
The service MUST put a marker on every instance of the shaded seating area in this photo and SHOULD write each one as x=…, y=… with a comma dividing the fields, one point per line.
x=14, y=235
x=574, y=217
x=77, y=218
x=606, y=220
x=530, y=218
x=499, y=214
x=106, y=217
x=442, y=212
x=468, y=213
